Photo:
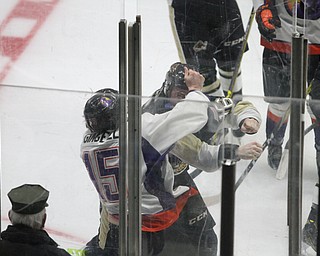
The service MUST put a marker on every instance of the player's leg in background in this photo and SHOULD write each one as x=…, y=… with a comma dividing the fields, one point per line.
x=310, y=229
x=228, y=42
x=276, y=85
x=193, y=25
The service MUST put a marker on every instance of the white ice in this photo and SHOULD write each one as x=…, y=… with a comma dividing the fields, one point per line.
x=74, y=53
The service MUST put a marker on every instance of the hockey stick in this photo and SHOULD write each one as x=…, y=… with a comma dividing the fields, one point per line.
x=250, y=165
x=276, y=129
x=196, y=172
x=264, y=145
x=243, y=48
x=282, y=169
x=283, y=166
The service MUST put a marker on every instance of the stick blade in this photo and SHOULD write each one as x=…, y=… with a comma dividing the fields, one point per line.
x=283, y=166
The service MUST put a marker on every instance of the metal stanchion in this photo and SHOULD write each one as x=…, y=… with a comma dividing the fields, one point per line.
x=123, y=139
x=296, y=145
x=134, y=138
x=227, y=208
x=228, y=198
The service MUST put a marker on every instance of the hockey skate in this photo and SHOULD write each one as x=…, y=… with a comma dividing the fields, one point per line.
x=274, y=155
x=310, y=233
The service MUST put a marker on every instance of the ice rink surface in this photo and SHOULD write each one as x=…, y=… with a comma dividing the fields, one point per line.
x=73, y=52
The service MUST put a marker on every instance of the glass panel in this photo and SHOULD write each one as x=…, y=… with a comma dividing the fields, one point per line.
x=53, y=132
x=311, y=174
x=53, y=43
x=53, y=54
x=41, y=132
x=66, y=50
x=263, y=73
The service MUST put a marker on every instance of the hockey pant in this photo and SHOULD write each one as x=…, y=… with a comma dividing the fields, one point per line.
x=276, y=84
x=191, y=235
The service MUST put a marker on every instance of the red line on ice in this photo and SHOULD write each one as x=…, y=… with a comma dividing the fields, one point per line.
x=54, y=232
x=11, y=47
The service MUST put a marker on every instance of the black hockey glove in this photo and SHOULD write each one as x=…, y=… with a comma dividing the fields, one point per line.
x=268, y=20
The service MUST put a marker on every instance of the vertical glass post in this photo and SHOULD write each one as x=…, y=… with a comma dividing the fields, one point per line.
x=295, y=145
x=123, y=138
x=134, y=138
x=227, y=208
x=229, y=159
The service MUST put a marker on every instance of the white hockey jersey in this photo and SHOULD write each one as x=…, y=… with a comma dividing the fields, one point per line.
x=307, y=23
x=161, y=204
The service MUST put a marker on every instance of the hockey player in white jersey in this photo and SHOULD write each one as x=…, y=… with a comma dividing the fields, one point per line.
x=276, y=23
x=186, y=150
x=243, y=118
x=101, y=143
x=166, y=209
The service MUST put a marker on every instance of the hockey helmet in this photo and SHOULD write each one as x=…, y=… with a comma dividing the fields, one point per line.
x=101, y=111
x=175, y=78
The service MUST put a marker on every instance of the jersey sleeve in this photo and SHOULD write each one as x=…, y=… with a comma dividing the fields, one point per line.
x=243, y=110
x=189, y=116
x=197, y=153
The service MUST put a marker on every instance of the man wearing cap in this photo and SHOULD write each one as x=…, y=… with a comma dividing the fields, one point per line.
x=26, y=235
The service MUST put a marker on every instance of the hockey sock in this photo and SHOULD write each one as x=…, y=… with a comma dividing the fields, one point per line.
x=213, y=89
x=271, y=125
x=275, y=144
x=225, y=78
x=237, y=96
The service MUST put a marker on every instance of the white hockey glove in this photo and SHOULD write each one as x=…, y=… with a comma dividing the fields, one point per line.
x=250, y=151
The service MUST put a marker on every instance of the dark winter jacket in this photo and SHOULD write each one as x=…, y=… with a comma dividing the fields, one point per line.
x=20, y=240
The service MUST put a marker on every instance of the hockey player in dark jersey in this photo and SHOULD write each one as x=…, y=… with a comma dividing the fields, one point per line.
x=166, y=207
x=275, y=22
x=209, y=36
